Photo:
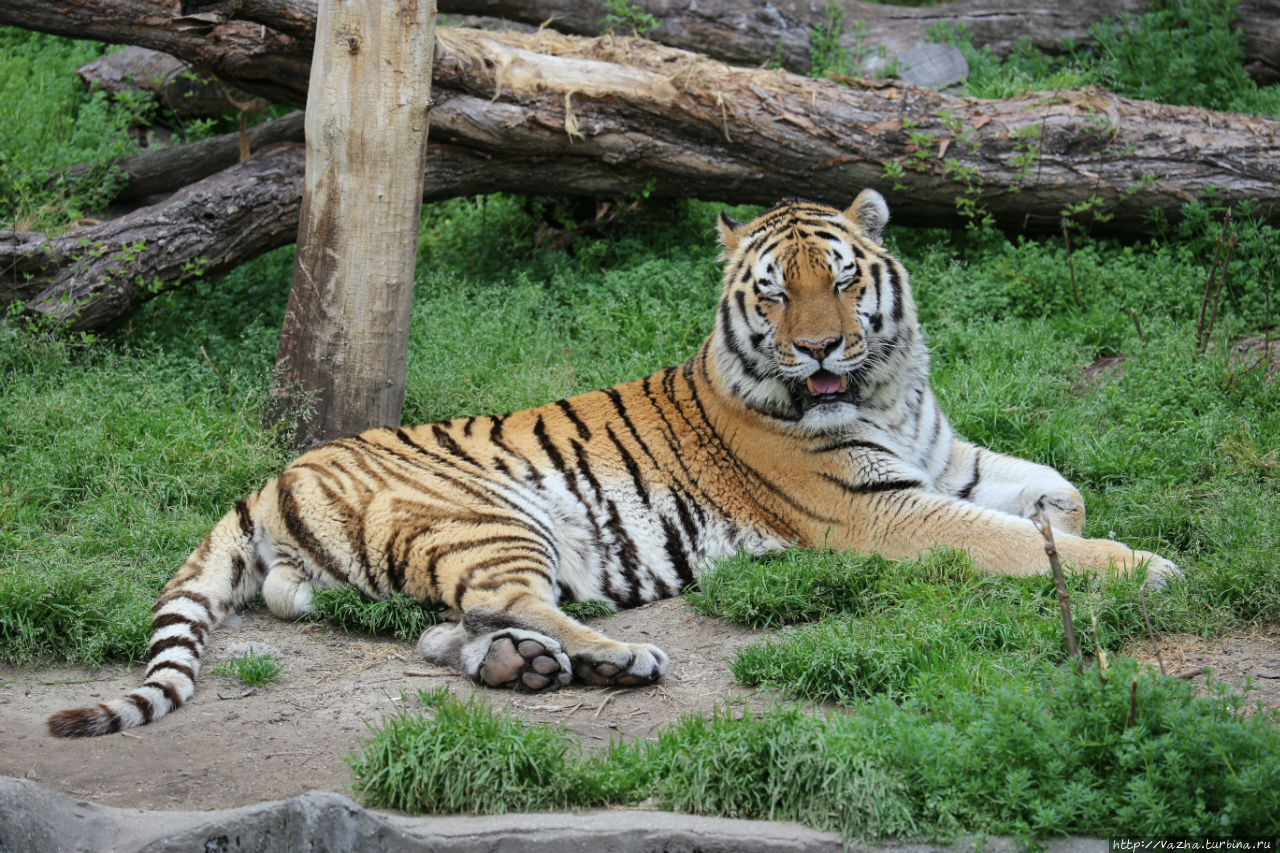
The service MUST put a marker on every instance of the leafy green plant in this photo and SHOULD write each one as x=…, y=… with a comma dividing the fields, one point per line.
x=49, y=122
x=251, y=669
x=826, y=54
x=628, y=15
x=1181, y=52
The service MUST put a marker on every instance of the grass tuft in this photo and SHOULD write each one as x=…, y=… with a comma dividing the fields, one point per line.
x=461, y=758
x=399, y=616
x=1063, y=752
x=585, y=611
x=252, y=669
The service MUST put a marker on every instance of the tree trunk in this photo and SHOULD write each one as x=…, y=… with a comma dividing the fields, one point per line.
x=344, y=345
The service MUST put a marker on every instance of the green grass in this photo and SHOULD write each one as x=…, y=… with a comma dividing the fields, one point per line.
x=1180, y=52
x=415, y=759
x=1059, y=753
x=399, y=616
x=585, y=611
x=50, y=122
x=952, y=710
x=251, y=669
x=870, y=627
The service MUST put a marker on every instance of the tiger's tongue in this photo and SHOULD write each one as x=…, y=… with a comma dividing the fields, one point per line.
x=825, y=382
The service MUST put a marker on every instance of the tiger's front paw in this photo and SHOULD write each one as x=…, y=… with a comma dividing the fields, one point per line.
x=629, y=664
x=1160, y=572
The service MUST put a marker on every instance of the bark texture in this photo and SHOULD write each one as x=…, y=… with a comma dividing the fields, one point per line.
x=344, y=345
x=164, y=170
x=167, y=79
x=88, y=278
x=625, y=114
x=778, y=31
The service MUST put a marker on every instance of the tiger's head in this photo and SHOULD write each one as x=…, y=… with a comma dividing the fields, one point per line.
x=815, y=316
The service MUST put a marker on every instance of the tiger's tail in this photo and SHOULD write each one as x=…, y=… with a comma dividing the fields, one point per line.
x=218, y=576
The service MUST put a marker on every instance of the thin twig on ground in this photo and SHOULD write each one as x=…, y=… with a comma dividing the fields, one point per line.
x=1041, y=522
x=1071, y=265
x=1133, y=312
x=1146, y=618
x=609, y=698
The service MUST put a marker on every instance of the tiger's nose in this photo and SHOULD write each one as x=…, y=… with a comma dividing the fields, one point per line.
x=818, y=349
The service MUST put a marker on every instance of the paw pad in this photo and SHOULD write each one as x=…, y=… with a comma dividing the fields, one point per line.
x=528, y=664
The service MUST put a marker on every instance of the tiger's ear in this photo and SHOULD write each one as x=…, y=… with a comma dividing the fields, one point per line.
x=730, y=231
x=870, y=213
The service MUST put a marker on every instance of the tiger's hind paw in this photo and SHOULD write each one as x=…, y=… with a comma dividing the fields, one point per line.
x=635, y=664
x=509, y=657
x=524, y=660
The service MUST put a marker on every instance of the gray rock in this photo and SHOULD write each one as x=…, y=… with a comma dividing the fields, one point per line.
x=38, y=819
x=934, y=66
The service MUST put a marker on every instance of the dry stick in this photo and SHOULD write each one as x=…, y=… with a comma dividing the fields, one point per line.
x=609, y=698
x=1217, y=294
x=1133, y=312
x=1071, y=265
x=1133, y=702
x=1099, y=653
x=1064, y=599
x=1142, y=599
x=1208, y=284
x=214, y=367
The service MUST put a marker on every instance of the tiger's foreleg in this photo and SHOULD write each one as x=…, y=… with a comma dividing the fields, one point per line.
x=903, y=523
x=1012, y=485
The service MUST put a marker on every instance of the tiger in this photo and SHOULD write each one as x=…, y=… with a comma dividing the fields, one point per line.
x=805, y=418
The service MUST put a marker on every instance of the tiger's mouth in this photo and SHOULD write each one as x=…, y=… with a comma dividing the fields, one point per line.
x=823, y=386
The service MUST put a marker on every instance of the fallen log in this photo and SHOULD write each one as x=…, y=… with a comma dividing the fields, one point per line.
x=629, y=129
x=779, y=32
x=680, y=124
x=687, y=126
x=165, y=78
x=91, y=276
x=164, y=170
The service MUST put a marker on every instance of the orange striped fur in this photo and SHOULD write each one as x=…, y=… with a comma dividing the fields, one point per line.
x=806, y=417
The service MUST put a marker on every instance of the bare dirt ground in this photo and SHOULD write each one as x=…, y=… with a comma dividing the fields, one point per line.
x=227, y=749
